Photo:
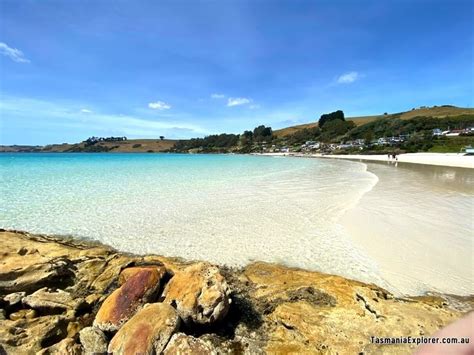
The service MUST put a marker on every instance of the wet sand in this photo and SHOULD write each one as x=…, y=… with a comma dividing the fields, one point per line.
x=417, y=224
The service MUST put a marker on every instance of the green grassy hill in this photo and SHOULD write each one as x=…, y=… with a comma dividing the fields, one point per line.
x=435, y=111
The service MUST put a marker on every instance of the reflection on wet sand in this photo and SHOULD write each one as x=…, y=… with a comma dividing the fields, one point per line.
x=417, y=225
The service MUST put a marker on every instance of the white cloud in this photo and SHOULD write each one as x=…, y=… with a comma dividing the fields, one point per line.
x=236, y=101
x=159, y=105
x=60, y=117
x=348, y=78
x=14, y=54
x=84, y=110
x=217, y=96
x=254, y=107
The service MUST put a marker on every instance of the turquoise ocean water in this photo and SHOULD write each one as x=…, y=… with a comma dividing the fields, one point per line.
x=229, y=209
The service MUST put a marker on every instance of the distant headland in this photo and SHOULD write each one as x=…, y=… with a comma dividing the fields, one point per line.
x=438, y=129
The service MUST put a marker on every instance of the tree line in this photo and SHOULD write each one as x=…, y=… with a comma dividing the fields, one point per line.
x=332, y=128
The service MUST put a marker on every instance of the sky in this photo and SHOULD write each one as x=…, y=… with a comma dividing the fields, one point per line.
x=186, y=68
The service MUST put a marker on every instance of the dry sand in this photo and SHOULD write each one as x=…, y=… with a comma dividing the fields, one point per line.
x=443, y=159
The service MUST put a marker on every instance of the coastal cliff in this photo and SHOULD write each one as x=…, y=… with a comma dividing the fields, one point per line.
x=64, y=296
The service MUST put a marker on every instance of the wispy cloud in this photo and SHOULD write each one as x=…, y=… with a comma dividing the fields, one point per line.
x=217, y=96
x=237, y=101
x=348, y=78
x=254, y=107
x=159, y=105
x=84, y=110
x=14, y=54
x=62, y=117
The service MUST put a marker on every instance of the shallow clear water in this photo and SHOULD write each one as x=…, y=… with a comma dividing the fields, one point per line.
x=228, y=209
x=407, y=228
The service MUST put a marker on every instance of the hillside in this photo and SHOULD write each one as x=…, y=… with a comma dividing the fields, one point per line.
x=435, y=111
x=385, y=125
x=128, y=146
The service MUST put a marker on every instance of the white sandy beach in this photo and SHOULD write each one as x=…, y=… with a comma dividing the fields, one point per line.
x=440, y=159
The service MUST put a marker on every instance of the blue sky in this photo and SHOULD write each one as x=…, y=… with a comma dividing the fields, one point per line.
x=73, y=69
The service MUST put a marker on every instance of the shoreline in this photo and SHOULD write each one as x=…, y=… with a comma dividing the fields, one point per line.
x=71, y=241
x=323, y=246
x=57, y=290
x=455, y=160
x=402, y=212
x=398, y=223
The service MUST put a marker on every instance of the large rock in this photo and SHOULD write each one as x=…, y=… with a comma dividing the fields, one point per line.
x=132, y=271
x=50, y=300
x=14, y=299
x=122, y=304
x=182, y=344
x=28, y=277
x=66, y=346
x=147, y=332
x=26, y=336
x=93, y=340
x=23, y=313
x=310, y=312
x=199, y=293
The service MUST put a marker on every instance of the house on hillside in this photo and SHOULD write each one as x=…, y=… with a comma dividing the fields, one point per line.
x=454, y=133
x=310, y=145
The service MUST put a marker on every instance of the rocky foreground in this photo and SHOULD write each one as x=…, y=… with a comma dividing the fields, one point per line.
x=62, y=296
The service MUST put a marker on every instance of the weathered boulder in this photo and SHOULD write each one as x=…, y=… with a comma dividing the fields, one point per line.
x=28, y=277
x=93, y=340
x=102, y=277
x=132, y=271
x=66, y=346
x=147, y=332
x=338, y=315
x=199, y=293
x=122, y=304
x=23, y=313
x=74, y=327
x=50, y=300
x=25, y=336
x=14, y=298
x=182, y=344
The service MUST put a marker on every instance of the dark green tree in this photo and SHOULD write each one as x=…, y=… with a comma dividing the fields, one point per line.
x=336, y=115
x=262, y=133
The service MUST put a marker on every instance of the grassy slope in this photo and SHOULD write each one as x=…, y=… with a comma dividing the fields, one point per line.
x=439, y=111
x=155, y=145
